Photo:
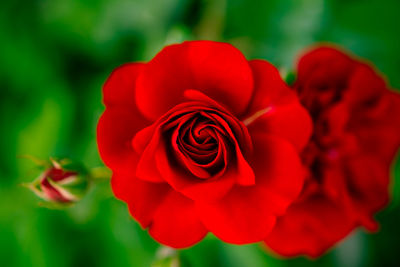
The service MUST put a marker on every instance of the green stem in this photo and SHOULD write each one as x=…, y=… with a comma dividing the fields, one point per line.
x=166, y=257
x=100, y=173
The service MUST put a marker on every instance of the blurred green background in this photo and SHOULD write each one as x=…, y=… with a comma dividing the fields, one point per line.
x=55, y=56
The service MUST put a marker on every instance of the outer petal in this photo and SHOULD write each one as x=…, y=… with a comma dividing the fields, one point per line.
x=146, y=169
x=176, y=223
x=375, y=113
x=115, y=130
x=170, y=216
x=368, y=180
x=318, y=64
x=119, y=89
x=276, y=108
x=278, y=169
x=217, y=69
x=121, y=120
x=247, y=214
x=143, y=198
x=310, y=227
x=322, y=76
x=380, y=139
x=241, y=217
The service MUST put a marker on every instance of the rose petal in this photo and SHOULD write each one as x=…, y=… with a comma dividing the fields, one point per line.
x=379, y=139
x=310, y=227
x=191, y=149
x=217, y=69
x=175, y=223
x=364, y=85
x=143, y=198
x=241, y=217
x=247, y=214
x=146, y=170
x=368, y=186
x=322, y=63
x=121, y=120
x=188, y=184
x=119, y=89
x=115, y=130
x=275, y=107
x=278, y=168
x=245, y=174
x=322, y=76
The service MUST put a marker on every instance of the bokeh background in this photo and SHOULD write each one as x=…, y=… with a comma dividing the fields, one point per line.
x=55, y=56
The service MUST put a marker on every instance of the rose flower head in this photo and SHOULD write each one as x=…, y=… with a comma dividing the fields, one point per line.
x=201, y=140
x=356, y=135
x=61, y=182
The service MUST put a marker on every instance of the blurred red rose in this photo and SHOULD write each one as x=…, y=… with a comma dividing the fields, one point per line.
x=356, y=135
x=201, y=140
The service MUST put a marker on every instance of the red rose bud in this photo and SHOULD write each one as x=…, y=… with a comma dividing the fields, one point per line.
x=60, y=183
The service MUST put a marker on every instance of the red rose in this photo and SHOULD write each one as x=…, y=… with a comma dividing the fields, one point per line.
x=356, y=135
x=201, y=140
